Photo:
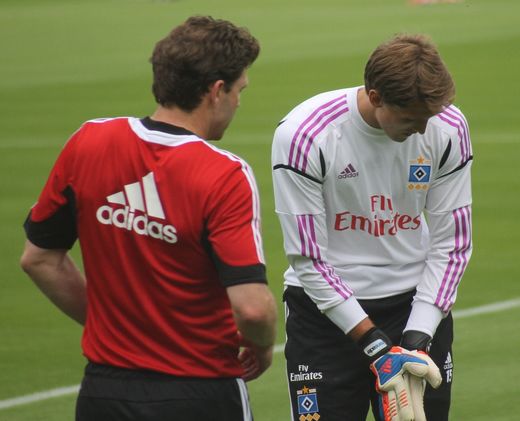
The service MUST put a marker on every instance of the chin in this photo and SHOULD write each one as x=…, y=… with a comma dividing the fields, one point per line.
x=217, y=133
x=400, y=139
x=217, y=136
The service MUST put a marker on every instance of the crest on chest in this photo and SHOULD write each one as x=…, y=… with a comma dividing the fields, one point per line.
x=419, y=173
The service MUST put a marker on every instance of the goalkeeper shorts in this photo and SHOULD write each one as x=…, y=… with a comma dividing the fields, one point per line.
x=110, y=393
x=328, y=376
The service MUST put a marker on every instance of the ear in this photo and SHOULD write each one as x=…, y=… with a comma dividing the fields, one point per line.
x=375, y=98
x=215, y=90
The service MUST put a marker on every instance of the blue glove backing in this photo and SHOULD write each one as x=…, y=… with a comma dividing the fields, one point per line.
x=392, y=384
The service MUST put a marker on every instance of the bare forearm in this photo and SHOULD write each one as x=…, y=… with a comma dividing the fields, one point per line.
x=261, y=333
x=58, y=278
x=255, y=313
x=70, y=297
x=360, y=329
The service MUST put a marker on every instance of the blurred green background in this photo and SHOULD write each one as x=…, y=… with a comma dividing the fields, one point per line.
x=64, y=62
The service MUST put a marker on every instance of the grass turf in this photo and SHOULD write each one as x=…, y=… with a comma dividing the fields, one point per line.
x=68, y=61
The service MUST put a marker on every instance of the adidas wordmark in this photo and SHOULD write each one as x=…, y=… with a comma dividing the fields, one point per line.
x=143, y=203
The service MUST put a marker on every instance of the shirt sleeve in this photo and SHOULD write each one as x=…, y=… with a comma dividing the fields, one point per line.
x=298, y=181
x=448, y=214
x=234, y=227
x=51, y=223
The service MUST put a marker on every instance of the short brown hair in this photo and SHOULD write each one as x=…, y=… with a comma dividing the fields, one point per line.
x=408, y=68
x=197, y=53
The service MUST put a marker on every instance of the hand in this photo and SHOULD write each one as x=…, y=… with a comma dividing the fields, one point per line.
x=417, y=341
x=399, y=381
x=254, y=359
x=416, y=386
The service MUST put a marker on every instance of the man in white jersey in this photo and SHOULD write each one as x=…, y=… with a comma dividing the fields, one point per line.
x=372, y=188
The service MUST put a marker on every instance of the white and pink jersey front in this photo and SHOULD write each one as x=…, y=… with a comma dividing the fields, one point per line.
x=365, y=217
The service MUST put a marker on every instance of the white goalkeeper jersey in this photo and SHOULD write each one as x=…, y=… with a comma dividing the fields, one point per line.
x=365, y=217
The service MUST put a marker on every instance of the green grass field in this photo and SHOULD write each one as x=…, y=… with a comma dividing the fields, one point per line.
x=64, y=62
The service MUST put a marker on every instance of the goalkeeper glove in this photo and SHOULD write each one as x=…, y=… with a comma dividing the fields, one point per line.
x=414, y=340
x=420, y=343
x=389, y=364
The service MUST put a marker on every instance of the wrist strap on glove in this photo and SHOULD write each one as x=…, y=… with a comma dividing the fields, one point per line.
x=415, y=340
x=374, y=343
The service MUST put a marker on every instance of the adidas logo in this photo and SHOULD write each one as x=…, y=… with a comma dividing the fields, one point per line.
x=387, y=366
x=448, y=364
x=448, y=368
x=348, y=172
x=141, y=202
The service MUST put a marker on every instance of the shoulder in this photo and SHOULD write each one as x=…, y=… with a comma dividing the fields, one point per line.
x=109, y=120
x=223, y=161
x=316, y=110
x=106, y=122
x=298, y=139
x=310, y=120
x=226, y=175
x=454, y=128
x=100, y=125
x=451, y=120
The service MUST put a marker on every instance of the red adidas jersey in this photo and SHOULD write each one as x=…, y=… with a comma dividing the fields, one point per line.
x=165, y=222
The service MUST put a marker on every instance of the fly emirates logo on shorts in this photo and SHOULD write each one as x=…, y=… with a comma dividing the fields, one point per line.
x=375, y=224
x=142, y=212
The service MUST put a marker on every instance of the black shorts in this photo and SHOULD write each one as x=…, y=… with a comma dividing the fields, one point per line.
x=114, y=394
x=327, y=373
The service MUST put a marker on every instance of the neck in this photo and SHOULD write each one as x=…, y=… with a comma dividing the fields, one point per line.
x=366, y=109
x=194, y=121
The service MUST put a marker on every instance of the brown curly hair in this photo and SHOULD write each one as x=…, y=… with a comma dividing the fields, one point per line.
x=197, y=53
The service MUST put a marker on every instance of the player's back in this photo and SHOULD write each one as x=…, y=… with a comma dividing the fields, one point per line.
x=146, y=195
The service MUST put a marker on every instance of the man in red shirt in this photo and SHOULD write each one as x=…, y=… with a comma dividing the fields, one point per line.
x=169, y=230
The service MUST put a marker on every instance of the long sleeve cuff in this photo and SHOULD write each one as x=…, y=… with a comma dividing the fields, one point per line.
x=346, y=315
x=424, y=318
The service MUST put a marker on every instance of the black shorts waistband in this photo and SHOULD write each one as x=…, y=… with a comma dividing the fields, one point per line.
x=109, y=382
x=120, y=373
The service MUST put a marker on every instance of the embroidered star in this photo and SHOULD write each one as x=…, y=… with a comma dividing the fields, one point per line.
x=305, y=390
x=420, y=160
